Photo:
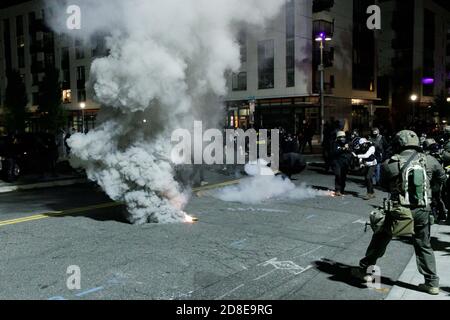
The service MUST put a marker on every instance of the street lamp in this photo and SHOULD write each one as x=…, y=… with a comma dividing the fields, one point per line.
x=82, y=106
x=321, y=38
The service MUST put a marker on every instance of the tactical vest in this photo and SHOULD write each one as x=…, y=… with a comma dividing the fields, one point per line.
x=412, y=185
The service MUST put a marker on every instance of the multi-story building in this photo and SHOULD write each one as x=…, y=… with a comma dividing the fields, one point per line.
x=280, y=78
x=29, y=46
x=414, y=53
x=367, y=73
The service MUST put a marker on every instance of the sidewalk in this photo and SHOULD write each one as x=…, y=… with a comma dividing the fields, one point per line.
x=441, y=245
x=65, y=177
x=34, y=182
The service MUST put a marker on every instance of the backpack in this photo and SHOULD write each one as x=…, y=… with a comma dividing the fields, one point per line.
x=414, y=184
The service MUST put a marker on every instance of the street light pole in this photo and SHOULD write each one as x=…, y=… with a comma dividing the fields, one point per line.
x=322, y=89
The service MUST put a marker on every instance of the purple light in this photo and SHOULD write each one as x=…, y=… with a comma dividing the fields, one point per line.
x=427, y=81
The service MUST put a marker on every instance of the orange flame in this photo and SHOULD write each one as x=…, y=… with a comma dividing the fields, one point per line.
x=190, y=219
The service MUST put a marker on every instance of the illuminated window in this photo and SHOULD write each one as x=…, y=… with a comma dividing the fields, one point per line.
x=67, y=96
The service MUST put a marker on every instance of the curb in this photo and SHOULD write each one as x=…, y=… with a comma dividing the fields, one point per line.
x=411, y=275
x=42, y=185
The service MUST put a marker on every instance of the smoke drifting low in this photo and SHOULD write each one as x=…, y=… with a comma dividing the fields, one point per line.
x=258, y=189
x=263, y=185
x=167, y=65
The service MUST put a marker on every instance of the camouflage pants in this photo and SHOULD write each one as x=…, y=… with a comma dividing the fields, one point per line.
x=426, y=262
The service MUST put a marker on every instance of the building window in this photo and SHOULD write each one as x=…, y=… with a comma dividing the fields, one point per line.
x=49, y=60
x=290, y=63
x=31, y=22
x=81, y=77
x=19, y=25
x=79, y=53
x=79, y=50
x=240, y=81
x=65, y=60
x=67, y=96
x=20, y=41
x=290, y=43
x=98, y=43
x=35, y=98
x=7, y=42
x=332, y=82
x=242, y=39
x=363, y=73
x=66, y=79
x=81, y=95
x=35, y=78
x=21, y=57
x=266, y=64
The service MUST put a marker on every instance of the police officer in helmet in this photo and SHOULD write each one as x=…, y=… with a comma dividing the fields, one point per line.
x=341, y=159
x=407, y=151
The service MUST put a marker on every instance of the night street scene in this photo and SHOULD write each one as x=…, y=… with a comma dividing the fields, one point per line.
x=233, y=152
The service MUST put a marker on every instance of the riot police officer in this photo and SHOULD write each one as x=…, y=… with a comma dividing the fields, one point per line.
x=365, y=151
x=433, y=149
x=341, y=158
x=446, y=145
x=407, y=148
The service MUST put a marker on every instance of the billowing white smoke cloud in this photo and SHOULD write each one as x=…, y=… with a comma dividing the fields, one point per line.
x=264, y=185
x=167, y=65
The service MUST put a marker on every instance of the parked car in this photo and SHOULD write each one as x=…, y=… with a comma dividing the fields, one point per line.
x=26, y=153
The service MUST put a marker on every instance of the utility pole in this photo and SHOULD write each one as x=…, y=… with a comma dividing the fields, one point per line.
x=322, y=89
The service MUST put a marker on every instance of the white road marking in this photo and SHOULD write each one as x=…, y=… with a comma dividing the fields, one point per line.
x=264, y=275
x=333, y=240
x=309, y=252
x=230, y=292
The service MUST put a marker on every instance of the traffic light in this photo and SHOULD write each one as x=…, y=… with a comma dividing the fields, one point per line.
x=322, y=5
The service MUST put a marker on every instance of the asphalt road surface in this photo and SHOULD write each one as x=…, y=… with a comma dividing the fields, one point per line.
x=273, y=250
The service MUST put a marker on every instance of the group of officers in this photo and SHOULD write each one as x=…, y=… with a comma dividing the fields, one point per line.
x=366, y=155
x=381, y=162
x=355, y=153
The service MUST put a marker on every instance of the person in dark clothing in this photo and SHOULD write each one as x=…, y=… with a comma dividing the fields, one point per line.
x=289, y=144
x=381, y=147
x=341, y=159
x=307, y=137
x=365, y=152
x=67, y=137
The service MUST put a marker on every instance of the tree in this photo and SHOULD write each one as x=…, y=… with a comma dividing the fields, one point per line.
x=16, y=101
x=50, y=101
x=441, y=105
